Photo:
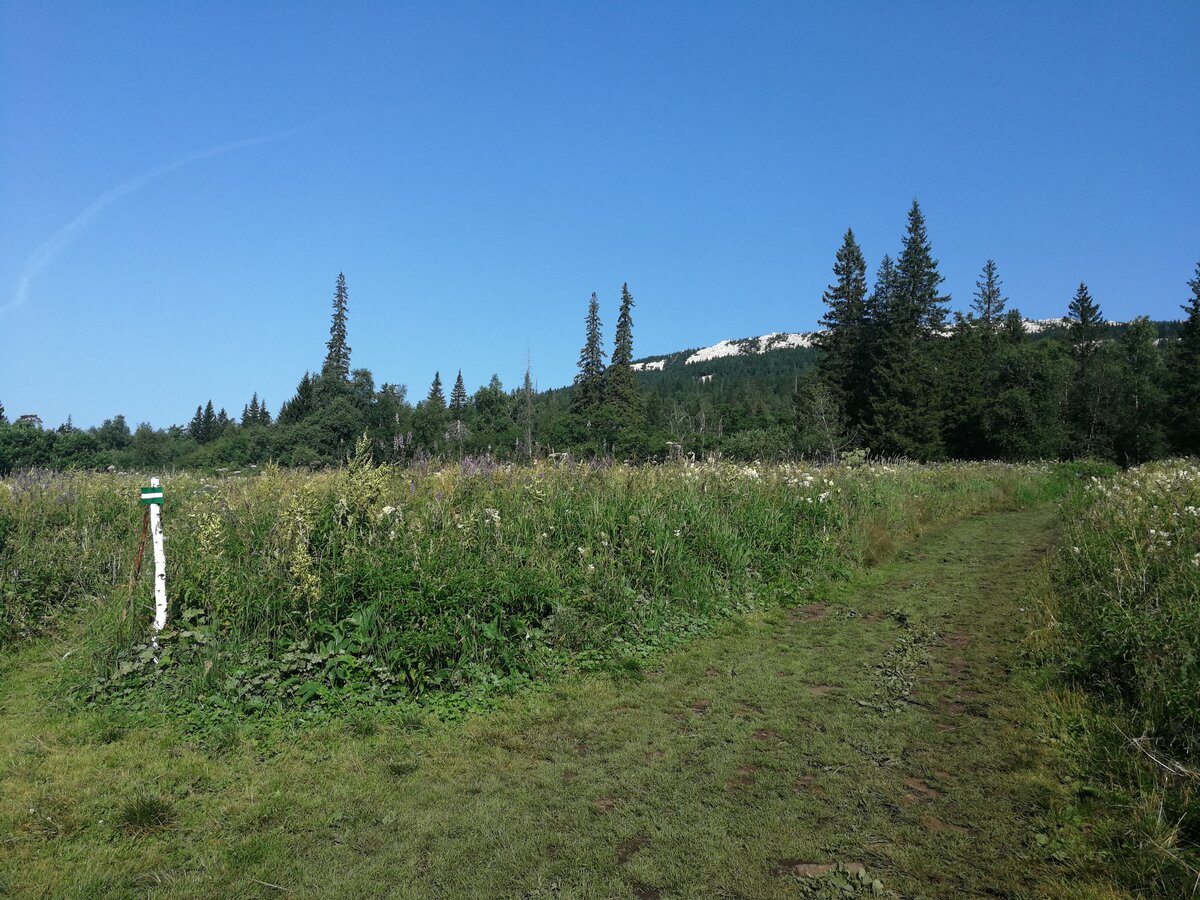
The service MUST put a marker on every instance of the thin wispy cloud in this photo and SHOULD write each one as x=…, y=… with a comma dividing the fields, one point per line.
x=49, y=250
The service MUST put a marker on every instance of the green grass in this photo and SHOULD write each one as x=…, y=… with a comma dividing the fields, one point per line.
x=885, y=722
x=1122, y=632
x=326, y=591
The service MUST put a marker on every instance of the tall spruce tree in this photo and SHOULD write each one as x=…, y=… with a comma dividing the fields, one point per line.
x=302, y=404
x=3, y=418
x=1139, y=435
x=526, y=413
x=921, y=308
x=1085, y=325
x=1088, y=409
x=588, y=393
x=337, y=359
x=988, y=302
x=846, y=340
x=458, y=398
x=196, y=426
x=208, y=426
x=973, y=368
x=1185, y=376
x=429, y=419
x=622, y=400
x=251, y=412
x=458, y=412
x=436, y=398
x=908, y=393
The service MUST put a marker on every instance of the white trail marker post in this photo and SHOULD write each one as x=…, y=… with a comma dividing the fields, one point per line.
x=153, y=497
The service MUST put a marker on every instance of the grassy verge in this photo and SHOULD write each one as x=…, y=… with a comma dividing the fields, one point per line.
x=1122, y=614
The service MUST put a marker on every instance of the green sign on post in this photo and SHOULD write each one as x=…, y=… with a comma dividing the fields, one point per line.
x=152, y=496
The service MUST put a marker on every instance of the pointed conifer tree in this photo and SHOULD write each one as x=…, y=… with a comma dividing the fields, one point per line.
x=918, y=278
x=988, y=305
x=251, y=412
x=623, y=402
x=458, y=397
x=3, y=418
x=1087, y=406
x=908, y=391
x=1085, y=325
x=429, y=422
x=458, y=411
x=337, y=359
x=208, y=428
x=846, y=365
x=436, y=397
x=526, y=413
x=196, y=425
x=971, y=365
x=988, y=302
x=588, y=392
x=301, y=404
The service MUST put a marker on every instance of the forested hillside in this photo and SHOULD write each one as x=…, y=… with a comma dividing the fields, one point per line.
x=891, y=372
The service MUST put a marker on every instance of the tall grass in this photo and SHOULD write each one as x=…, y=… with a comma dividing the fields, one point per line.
x=1129, y=597
x=473, y=572
x=1126, y=607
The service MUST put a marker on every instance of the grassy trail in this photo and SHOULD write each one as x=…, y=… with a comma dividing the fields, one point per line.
x=883, y=725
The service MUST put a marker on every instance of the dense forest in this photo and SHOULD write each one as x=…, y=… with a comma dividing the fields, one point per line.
x=893, y=373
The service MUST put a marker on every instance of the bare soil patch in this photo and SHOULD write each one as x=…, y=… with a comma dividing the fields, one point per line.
x=920, y=791
x=809, y=612
x=628, y=847
x=743, y=779
x=933, y=823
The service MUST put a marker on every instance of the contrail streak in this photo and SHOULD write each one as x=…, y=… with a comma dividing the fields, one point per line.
x=61, y=239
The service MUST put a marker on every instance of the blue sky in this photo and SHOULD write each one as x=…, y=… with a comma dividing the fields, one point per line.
x=477, y=170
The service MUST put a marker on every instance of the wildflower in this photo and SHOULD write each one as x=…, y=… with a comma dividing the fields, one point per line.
x=493, y=515
x=591, y=568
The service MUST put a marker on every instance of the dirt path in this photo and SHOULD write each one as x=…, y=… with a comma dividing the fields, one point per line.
x=880, y=727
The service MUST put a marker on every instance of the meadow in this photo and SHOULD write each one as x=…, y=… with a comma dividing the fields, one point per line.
x=291, y=589
x=520, y=661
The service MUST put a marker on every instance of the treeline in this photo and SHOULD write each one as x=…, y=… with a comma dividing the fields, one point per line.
x=610, y=409
x=899, y=378
x=895, y=373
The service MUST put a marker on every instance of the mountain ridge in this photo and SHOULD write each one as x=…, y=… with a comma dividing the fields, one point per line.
x=759, y=345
